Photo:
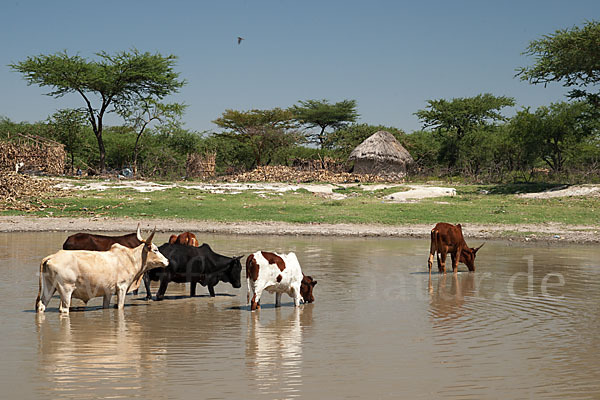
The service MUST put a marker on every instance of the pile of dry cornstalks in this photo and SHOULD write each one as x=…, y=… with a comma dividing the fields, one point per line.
x=25, y=193
x=281, y=173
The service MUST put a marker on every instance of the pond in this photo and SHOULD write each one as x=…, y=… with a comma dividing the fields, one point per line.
x=524, y=325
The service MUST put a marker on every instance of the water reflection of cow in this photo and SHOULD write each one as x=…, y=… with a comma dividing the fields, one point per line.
x=81, y=352
x=447, y=303
x=274, y=351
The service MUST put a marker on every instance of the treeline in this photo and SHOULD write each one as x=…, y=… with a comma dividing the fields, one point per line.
x=467, y=139
x=462, y=138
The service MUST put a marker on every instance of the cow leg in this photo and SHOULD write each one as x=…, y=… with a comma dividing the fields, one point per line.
x=250, y=292
x=192, y=288
x=147, y=285
x=65, y=299
x=164, y=282
x=211, y=290
x=255, y=302
x=106, y=300
x=430, y=262
x=442, y=262
x=278, y=299
x=455, y=259
x=121, y=292
x=295, y=293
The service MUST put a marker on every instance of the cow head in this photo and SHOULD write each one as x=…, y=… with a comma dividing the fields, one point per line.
x=151, y=256
x=467, y=257
x=306, y=288
x=234, y=273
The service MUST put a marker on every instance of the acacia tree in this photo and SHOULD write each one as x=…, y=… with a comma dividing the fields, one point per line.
x=68, y=126
x=322, y=115
x=551, y=133
x=143, y=113
x=571, y=56
x=121, y=79
x=263, y=130
x=454, y=119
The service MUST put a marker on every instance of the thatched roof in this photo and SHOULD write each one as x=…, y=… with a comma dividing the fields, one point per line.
x=381, y=146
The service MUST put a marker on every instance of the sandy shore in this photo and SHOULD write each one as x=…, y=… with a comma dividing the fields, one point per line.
x=550, y=232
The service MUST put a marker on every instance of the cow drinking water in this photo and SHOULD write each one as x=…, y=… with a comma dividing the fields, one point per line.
x=277, y=273
x=448, y=238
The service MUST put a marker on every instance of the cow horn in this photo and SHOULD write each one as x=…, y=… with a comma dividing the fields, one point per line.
x=475, y=251
x=139, y=233
x=149, y=240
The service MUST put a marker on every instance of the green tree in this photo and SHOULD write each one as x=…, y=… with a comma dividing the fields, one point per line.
x=453, y=119
x=571, y=56
x=263, y=130
x=424, y=147
x=140, y=115
x=9, y=129
x=321, y=114
x=119, y=80
x=552, y=133
x=68, y=127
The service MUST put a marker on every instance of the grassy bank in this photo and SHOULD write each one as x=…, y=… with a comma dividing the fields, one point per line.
x=473, y=204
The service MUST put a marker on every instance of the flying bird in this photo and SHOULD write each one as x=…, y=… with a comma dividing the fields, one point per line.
x=240, y=39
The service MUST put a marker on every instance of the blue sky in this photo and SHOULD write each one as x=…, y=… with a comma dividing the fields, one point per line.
x=390, y=56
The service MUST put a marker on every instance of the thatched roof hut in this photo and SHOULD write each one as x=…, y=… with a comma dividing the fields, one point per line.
x=381, y=154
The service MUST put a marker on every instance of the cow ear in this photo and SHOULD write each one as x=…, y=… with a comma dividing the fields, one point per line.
x=239, y=257
x=313, y=283
x=459, y=226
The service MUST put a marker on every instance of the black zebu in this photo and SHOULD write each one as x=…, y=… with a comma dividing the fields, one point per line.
x=194, y=265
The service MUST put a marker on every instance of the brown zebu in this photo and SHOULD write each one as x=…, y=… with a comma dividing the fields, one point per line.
x=93, y=242
x=90, y=241
x=448, y=238
x=185, y=238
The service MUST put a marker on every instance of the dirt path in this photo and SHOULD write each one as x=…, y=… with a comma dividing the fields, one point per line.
x=550, y=232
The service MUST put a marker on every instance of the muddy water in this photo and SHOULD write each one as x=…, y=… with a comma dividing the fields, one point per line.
x=525, y=325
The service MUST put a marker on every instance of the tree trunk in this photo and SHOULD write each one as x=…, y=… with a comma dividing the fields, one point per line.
x=102, y=151
x=135, y=155
x=321, y=137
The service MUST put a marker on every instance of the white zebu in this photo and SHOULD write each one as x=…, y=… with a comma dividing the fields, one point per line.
x=85, y=274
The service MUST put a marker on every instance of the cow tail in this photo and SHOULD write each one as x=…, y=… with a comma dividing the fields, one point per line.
x=248, y=263
x=39, y=296
x=433, y=244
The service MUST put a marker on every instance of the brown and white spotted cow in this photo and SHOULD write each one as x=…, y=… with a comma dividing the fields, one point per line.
x=277, y=273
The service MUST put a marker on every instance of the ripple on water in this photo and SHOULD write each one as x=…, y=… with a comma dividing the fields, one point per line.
x=379, y=328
